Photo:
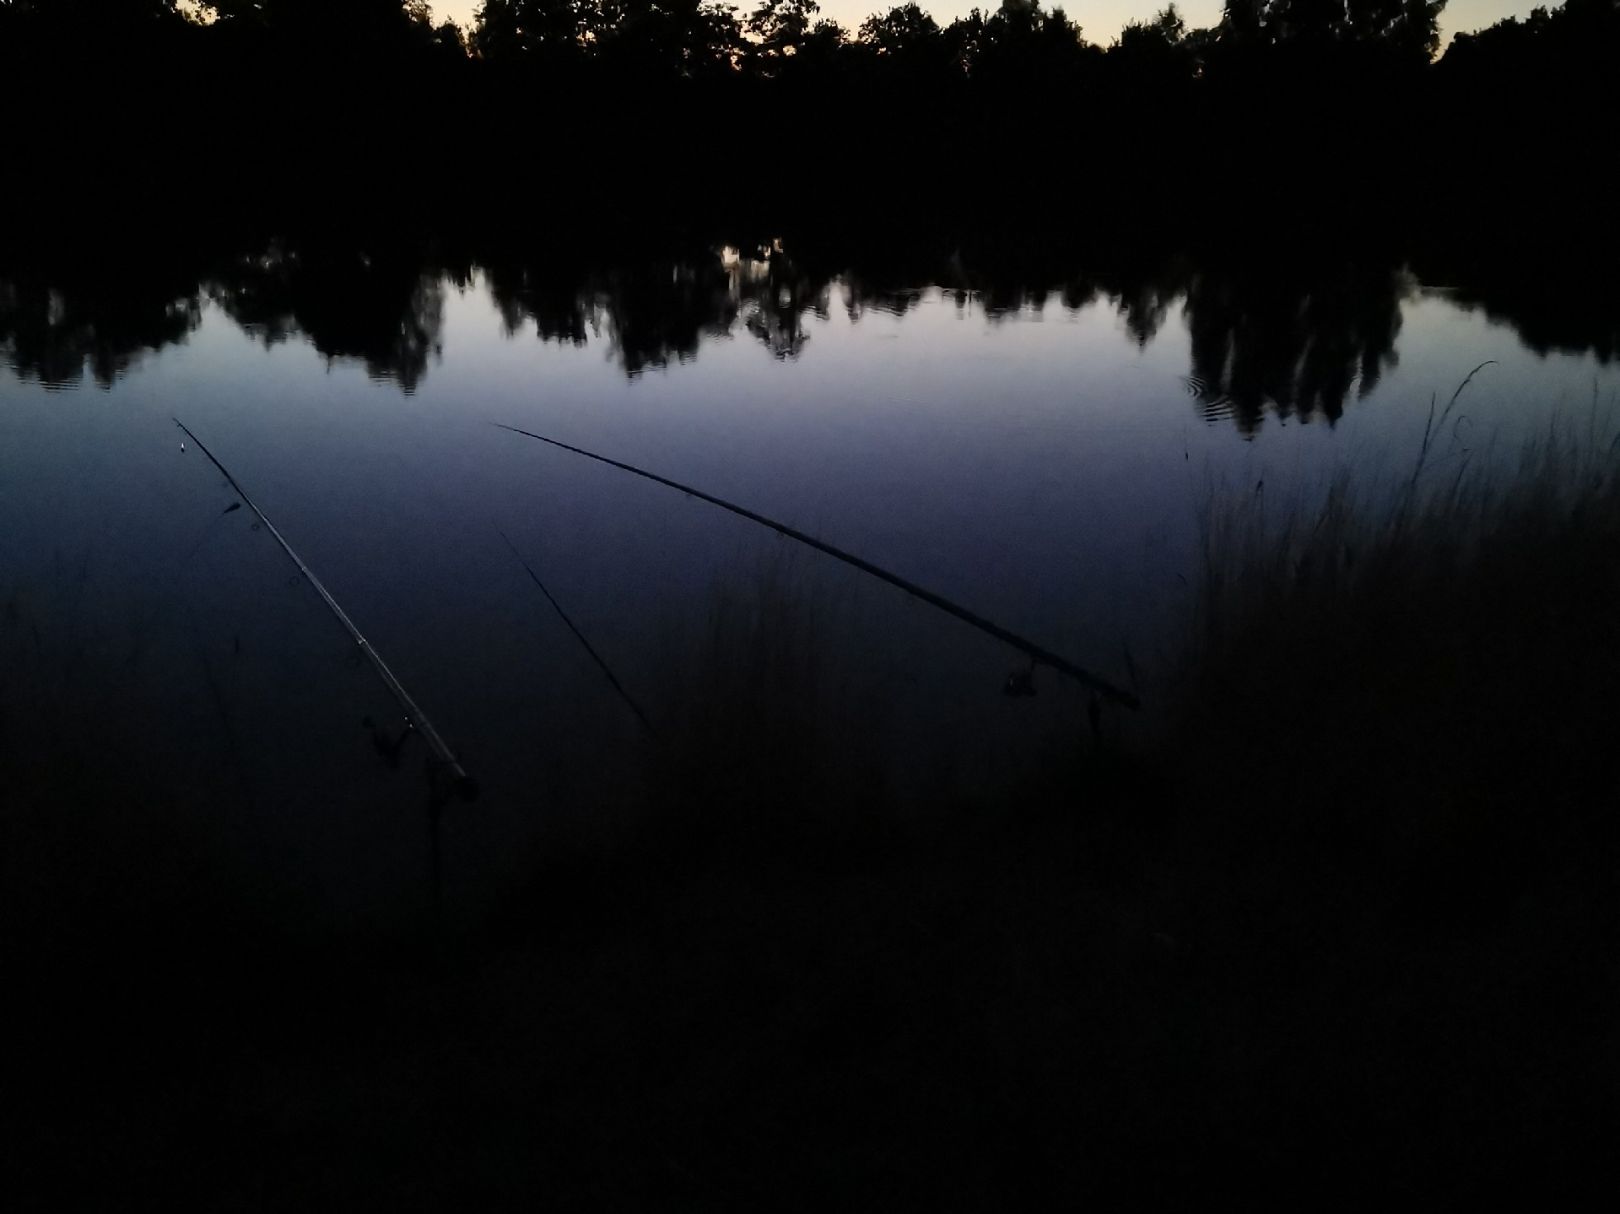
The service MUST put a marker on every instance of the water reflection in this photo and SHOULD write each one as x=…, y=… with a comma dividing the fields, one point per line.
x=57, y=332
x=1550, y=314
x=657, y=312
x=651, y=314
x=1299, y=348
x=1298, y=340
x=385, y=309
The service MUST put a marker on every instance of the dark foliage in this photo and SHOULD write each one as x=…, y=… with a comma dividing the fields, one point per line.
x=638, y=113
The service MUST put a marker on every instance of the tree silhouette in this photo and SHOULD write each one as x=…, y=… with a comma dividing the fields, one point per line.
x=780, y=28
x=363, y=111
x=1155, y=54
x=552, y=31
x=1402, y=28
x=1019, y=46
x=1406, y=28
x=1580, y=36
x=90, y=15
x=671, y=39
x=902, y=31
x=904, y=50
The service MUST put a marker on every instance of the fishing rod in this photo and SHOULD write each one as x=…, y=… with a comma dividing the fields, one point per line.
x=415, y=719
x=578, y=635
x=1035, y=653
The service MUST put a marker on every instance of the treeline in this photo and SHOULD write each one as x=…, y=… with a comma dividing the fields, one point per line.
x=1019, y=42
x=697, y=39
x=360, y=30
x=1317, y=111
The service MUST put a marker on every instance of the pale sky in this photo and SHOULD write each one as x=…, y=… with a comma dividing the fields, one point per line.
x=1101, y=20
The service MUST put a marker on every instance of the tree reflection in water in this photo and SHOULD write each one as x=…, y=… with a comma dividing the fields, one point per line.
x=1299, y=340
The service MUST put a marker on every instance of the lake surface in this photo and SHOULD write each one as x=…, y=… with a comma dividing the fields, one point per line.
x=1041, y=453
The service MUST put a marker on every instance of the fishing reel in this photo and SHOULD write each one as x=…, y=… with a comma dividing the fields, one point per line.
x=390, y=748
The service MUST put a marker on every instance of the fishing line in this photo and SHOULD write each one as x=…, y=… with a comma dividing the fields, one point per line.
x=579, y=636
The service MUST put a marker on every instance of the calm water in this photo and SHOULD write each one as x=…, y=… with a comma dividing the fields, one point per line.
x=1040, y=455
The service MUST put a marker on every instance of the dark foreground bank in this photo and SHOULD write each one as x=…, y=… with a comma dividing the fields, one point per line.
x=1347, y=919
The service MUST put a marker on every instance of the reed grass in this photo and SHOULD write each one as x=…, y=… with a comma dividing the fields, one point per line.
x=1394, y=707
x=1458, y=515
x=772, y=735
